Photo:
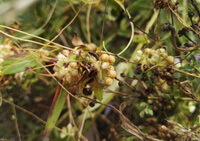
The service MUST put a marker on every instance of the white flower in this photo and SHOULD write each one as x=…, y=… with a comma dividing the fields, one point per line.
x=69, y=131
x=44, y=52
x=63, y=133
x=192, y=107
x=5, y=50
x=153, y=60
x=177, y=62
x=147, y=50
x=19, y=76
x=161, y=50
x=63, y=71
x=139, y=52
x=61, y=57
x=74, y=72
x=65, y=52
x=137, y=58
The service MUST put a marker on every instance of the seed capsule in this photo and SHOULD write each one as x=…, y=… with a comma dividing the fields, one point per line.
x=170, y=59
x=104, y=57
x=105, y=65
x=112, y=73
x=108, y=81
x=111, y=59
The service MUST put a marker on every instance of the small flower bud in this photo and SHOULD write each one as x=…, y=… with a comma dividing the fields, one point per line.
x=73, y=65
x=162, y=50
x=139, y=52
x=147, y=50
x=61, y=57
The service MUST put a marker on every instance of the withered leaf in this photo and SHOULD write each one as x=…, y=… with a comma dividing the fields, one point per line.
x=76, y=41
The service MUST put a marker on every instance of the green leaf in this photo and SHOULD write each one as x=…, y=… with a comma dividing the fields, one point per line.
x=17, y=64
x=177, y=75
x=187, y=68
x=98, y=90
x=56, y=109
x=120, y=4
x=197, y=67
x=140, y=39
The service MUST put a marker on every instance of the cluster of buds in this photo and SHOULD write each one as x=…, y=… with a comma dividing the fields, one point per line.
x=5, y=50
x=161, y=64
x=74, y=65
x=150, y=57
x=107, y=67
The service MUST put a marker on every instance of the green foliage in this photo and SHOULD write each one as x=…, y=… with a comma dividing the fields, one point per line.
x=21, y=63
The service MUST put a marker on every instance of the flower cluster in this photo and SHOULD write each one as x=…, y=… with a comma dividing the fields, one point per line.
x=74, y=65
x=151, y=57
x=160, y=63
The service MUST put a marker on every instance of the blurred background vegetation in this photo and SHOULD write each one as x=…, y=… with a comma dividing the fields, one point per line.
x=98, y=21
